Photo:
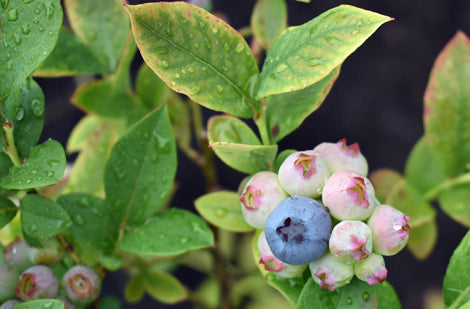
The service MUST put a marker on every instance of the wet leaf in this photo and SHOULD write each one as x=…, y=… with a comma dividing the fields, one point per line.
x=41, y=303
x=8, y=211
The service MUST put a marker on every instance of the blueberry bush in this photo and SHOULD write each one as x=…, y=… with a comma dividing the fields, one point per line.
x=305, y=228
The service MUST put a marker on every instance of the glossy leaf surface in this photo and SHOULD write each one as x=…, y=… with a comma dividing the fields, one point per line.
x=304, y=55
x=8, y=211
x=197, y=54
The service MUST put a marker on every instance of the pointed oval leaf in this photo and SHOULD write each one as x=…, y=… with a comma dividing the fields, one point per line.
x=447, y=106
x=384, y=181
x=141, y=168
x=8, y=211
x=70, y=57
x=285, y=112
x=42, y=218
x=151, y=90
x=197, y=54
x=29, y=120
x=135, y=289
x=456, y=284
x=102, y=26
x=455, y=202
x=44, y=166
x=304, y=55
x=82, y=132
x=171, y=232
x=28, y=33
x=223, y=209
x=93, y=220
x=41, y=303
x=237, y=145
x=269, y=19
x=357, y=294
x=164, y=287
x=423, y=239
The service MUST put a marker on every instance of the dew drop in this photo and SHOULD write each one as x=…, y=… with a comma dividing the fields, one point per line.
x=281, y=68
x=12, y=15
x=40, y=178
x=333, y=40
x=33, y=228
x=165, y=63
x=47, y=305
x=50, y=174
x=191, y=70
x=19, y=114
x=37, y=107
x=195, y=89
x=196, y=45
x=177, y=75
x=35, y=21
x=28, y=181
x=354, y=32
x=220, y=88
x=204, y=69
x=359, y=22
x=349, y=301
x=191, y=35
x=221, y=212
x=365, y=296
x=26, y=29
x=169, y=32
x=215, y=30
x=184, y=240
x=313, y=62
x=49, y=10
x=41, y=29
x=226, y=46
x=162, y=51
x=50, y=32
x=78, y=219
x=162, y=236
x=239, y=48
x=18, y=39
x=6, y=44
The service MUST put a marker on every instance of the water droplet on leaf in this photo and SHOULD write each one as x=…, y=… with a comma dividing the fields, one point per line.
x=314, y=62
x=78, y=219
x=220, y=88
x=26, y=29
x=184, y=240
x=12, y=15
x=165, y=63
x=226, y=46
x=221, y=212
x=37, y=107
x=191, y=70
x=196, y=45
x=239, y=48
x=365, y=296
x=349, y=301
x=169, y=32
x=195, y=89
x=19, y=114
x=18, y=39
x=282, y=67
x=177, y=75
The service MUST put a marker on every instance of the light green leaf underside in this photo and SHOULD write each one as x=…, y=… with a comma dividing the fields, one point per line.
x=305, y=54
x=197, y=54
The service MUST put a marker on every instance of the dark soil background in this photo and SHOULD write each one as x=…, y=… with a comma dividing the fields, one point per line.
x=376, y=101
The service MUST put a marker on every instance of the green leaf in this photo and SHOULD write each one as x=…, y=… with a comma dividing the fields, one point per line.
x=384, y=181
x=41, y=303
x=96, y=138
x=447, y=106
x=455, y=202
x=291, y=288
x=42, y=218
x=281, y=157
x=109, y=302
x=70, y=57
x=180, y=117
x=357, y=294
x=456, y=286
x=164, y=287
x=28, y=33
x=422, y=170
x=236, y=144
x=8, y=211
x=29, y=119
x=141, y=168
x=285, y=112
x=423, y=239
x=268, y=20
x=102, y=26
x=93, y=220
x=151, y=90
x=135, y=289
x=223, y=209
x=304, y=55
x=197, y=54
x=171, y=232
x=44, y=166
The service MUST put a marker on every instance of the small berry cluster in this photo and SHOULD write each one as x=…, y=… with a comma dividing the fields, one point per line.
x=320, y=210
x=28, y=274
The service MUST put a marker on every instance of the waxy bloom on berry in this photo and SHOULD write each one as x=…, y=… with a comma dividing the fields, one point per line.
x=351, y=241
x=82, y=284
x=304, y=173
x=331, y=273
x=37, y=282
x=371, y=270
x=343, y=157
x=349, y=196
x=390, y=229
x=273, y=264
x=261, y=194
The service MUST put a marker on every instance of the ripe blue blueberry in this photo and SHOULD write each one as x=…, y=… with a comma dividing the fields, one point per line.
x=298, y=230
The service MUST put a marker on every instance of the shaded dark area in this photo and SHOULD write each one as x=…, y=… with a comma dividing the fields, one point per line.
x=376, y=101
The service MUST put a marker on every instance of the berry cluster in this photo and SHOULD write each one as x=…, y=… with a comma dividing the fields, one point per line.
x=28, y=274
x=320, y=210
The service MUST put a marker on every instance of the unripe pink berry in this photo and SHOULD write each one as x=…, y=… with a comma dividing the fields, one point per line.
x=10, y=304
x=304, y=173
x=343, y=157
x=82, y=284
x=37, y=282
x=273, y=264
x=390, y=229
x=8, y=280
x=17, y=254
x=331, y=273
x=371, y=270
x=261, y=194
x=351, y=241
x=349, y=196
